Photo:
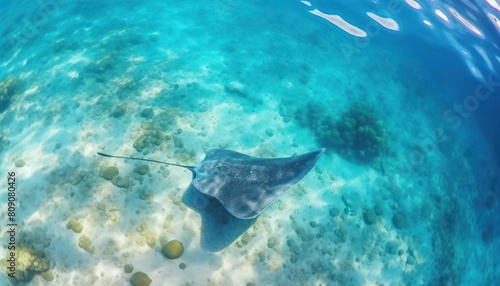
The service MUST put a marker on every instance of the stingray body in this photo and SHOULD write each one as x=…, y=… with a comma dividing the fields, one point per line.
x=243, y=184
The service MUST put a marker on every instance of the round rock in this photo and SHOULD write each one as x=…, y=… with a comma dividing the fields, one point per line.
x=400, y=220
x=20, y=163
x=140, y=279
x=370, y=216
x=173, y=249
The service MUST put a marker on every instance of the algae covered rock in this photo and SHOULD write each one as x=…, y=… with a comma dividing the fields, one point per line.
x=121, y=182
x=141, y=169
x=269, y=132
x=370, y=216
x=128, y=268
x=173, y=249
x=119, y=111
x=334, y=212
x=140, y=279
x=400, y=220
x=140, y=143
x=109, y=172
x=147, y=113
x=74, y=225
x=85, y=243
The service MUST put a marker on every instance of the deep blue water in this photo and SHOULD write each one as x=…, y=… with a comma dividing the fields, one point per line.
x=169, y=80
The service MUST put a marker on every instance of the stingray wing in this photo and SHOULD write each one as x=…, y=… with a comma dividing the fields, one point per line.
x=247, y=185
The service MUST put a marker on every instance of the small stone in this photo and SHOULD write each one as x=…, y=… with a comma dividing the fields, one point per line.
x=20, y=163
x=167, y=221
x=178, y=143
x=151, y=241
x=182, y=265
x=147, y=113
x=300, y=231
x=399, y=220
x=121, y=182
x=393, y=247
x=74, y=225
x=340, y=232
x=410, y=260
x=112, y=208
x=304, y=79
x=101, y=206
x=262, y=256
x=271, y=242
x=140, y=143
x=140, y=279
x=128, y=268
x=85, y=243
x=280, y=204
x=379, y=209
x=313, y=223
x=351, y=199
x=334, y=212
x=119, y=111
x=141, y=240
x=236, y=88
x=245, y=238
x=58, y=145
x=141, y=169
x=297, y=249
x=47, y=275
x=369, y=216
x=269, y=132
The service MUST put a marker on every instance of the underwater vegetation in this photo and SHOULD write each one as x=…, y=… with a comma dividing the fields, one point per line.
x=7, y=88
x=30, y=263
x=358, y=134
x=156, y=129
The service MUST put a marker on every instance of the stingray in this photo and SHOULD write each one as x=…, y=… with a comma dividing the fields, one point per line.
x=243, y=184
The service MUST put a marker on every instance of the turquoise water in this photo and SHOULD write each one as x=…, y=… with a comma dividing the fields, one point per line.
x=403, y=95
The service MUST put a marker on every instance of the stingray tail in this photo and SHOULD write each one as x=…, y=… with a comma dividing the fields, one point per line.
x=191, y=168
